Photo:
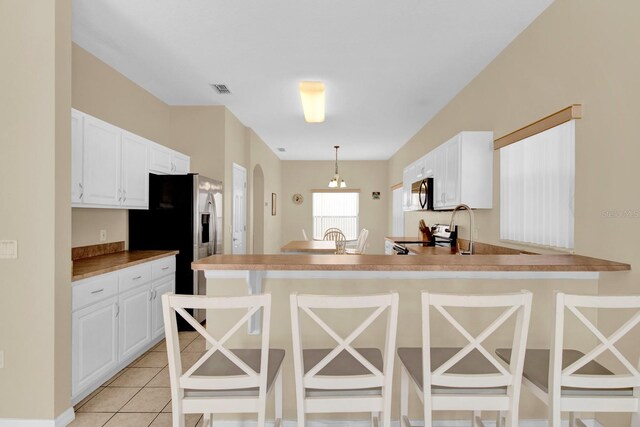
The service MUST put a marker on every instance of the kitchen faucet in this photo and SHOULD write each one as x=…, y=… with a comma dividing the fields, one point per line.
x=471, y=229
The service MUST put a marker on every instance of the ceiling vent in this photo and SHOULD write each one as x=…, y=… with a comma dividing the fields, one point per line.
x=281, y=149
x=221, y=89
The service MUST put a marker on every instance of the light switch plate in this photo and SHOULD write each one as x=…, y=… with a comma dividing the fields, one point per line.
x=9, y=249
x=103, y=235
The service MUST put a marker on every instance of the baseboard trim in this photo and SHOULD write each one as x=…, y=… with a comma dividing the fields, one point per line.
x=68, y=416
x=61, y=420
x=367, y=423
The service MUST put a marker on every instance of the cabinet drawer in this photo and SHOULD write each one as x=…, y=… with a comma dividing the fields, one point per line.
x=93, y=290
x=163, y=266
x=134, y=276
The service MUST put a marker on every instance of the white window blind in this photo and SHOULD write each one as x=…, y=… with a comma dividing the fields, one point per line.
x=339, y=210
x=398, y=213
x=537, y=183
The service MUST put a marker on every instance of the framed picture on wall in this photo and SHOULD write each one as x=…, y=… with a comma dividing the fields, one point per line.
x=273, y=204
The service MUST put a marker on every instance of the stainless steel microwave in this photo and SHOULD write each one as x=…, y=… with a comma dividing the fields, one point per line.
x=422, y=195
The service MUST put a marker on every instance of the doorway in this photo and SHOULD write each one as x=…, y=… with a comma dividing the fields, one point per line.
x=258, y=210
x=239, y=211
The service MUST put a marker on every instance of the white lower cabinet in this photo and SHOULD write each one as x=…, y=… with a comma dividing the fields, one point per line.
x=135, y=320
x=95, y=342
x=158, y=288
x=115, y=319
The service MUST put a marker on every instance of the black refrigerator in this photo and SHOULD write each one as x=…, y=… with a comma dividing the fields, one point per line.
x=185, y=214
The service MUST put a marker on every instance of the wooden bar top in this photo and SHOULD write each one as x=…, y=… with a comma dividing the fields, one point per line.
x=408, y=263
x=311, y=246
x=405, y=239
x=94, y=266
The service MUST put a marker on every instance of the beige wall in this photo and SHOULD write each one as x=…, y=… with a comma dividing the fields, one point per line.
x=575, y=52
x=304, y=176
x=34, y=182
x=262, y=156
x=199, y=132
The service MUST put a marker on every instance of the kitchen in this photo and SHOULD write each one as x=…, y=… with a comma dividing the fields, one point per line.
x=517, y=88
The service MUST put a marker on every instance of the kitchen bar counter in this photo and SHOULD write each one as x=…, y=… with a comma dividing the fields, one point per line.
x=95, y=265
x=500, y=263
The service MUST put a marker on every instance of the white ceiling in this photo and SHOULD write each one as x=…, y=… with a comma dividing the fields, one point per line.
x=388, y=66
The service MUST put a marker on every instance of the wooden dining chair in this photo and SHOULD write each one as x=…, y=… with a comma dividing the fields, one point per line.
x=334, y=234
x=361, y=243
x=223, y=380
x=466, y=378
x=572, y=381
x=344, y=378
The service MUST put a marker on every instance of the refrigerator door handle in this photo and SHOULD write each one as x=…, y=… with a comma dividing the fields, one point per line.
x=214, y=221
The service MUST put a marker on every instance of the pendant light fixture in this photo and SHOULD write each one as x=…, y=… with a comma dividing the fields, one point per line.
x=336, y=181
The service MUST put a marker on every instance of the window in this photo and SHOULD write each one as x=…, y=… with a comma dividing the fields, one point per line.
x=336, y=209
x=537, y=182
x=397, y=228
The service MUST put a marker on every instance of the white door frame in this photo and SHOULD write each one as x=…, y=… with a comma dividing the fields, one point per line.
x=243, y=234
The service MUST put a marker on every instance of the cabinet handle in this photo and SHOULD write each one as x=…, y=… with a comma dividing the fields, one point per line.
x=124, y=195
x=155, y=294
x=81, y=190
x=117, y=309
x=150, y=295
x=98, y=291
x=165, y=268
x=137, y=277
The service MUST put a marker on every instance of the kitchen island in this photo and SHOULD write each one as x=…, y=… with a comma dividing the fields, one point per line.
x=281, y=275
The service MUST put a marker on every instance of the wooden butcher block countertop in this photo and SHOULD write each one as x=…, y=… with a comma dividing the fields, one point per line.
x=408, y=263
x=88, y=267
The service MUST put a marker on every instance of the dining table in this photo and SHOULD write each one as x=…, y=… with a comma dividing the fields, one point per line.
x=310, y=247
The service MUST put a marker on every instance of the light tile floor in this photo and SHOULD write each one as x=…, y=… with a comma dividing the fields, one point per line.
x=139, y=395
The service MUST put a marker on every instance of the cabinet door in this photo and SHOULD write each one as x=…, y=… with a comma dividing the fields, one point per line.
x=452, y=173
x=76, y=156
x=135, y=172
x=101, y=171
x=159, y=288
x=133, y=324
x=159, y=159
x=406, y=189
x=94, y=343
x=180, y=164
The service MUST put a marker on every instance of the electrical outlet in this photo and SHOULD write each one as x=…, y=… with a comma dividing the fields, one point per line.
x=9, y=249
x=103, y=235
x=1, y=359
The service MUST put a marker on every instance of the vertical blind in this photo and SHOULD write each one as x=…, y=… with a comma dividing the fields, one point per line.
x=398, y=213
x=537, y=183
x=336, y=210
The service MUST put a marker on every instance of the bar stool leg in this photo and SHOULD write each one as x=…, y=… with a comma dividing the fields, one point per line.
x=635, y=419
x=404, y=396
x=207, y=420
x=278, y=398
x=476, y=419
x=499, y=419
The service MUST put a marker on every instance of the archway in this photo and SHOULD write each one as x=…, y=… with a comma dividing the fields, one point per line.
x=258, y=210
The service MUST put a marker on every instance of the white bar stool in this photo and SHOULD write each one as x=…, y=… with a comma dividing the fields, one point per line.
x=468, y=378
x=344, y=379
x=576, y=382
x=223, y=380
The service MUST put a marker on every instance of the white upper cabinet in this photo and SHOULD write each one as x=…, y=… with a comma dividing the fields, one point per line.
x=77, y=123
x=101, y=163
x=135, y=171
x=110, y=166
x=462, y=172
x=181, y=163
x=165, y=161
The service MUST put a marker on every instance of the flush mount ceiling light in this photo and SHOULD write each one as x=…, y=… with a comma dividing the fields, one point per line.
x=312, y=96
x=336, y=181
